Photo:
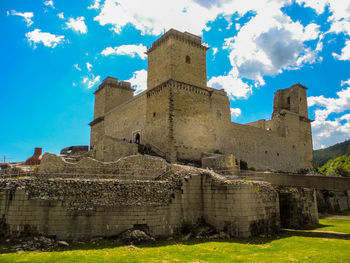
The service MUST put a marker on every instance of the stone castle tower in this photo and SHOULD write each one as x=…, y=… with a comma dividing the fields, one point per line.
x=181, y=118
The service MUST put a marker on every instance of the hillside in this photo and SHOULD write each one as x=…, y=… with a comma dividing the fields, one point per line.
x=339, y=165
x=322, y=156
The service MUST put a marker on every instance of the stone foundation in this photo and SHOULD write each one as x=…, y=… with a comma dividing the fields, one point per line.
x=298, y=207
x=77, y=206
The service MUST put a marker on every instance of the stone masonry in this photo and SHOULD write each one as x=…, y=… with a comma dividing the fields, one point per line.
x=181, y=118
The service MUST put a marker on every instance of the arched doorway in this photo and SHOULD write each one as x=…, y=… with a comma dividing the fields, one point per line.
x=137, y=138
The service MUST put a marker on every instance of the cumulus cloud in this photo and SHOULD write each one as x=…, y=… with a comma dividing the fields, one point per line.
x=60, y=15
x=127, y=50
x=345, y=52
x=49, y=3
x=235, y=112
x=95, y=5
x=329, y=130
x=139, y=81
x=88, y=66
x=232, y=84
x=47, y=39
x=27, y=16
x=152, y=16
x=91, y=80
x=339, y=20
x=77, y=24
x=266, y=45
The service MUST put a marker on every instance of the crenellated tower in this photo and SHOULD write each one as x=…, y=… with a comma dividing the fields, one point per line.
x=108, y=95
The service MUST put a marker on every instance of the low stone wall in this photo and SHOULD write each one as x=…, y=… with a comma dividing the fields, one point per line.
x=332, y=201
x=298, y=207
x=138, y=166
x=79, y=208
x=82, y=208
x=222, y=164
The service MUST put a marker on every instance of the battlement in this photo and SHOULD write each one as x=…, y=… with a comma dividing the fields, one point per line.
x=172, y=33
x=114, y=82
x=179, y=85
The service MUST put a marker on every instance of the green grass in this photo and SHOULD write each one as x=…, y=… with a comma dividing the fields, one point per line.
x=289, y=246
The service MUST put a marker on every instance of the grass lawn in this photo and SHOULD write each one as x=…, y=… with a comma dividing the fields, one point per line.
x=328, y=242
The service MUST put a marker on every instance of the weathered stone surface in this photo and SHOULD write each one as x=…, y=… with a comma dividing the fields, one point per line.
x=80, y=208
x=332, y=201
x=223, y=164
x=180, y=117
x=298, y=207
x=138, y=166
x=135, y=237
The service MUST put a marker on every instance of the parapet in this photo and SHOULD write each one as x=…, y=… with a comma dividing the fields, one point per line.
x=172, y=33
x=114, y=82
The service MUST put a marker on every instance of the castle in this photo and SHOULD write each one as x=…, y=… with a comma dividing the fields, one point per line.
x=181, y=118
x=112, y=188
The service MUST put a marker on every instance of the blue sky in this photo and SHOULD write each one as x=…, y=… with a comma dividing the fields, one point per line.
x=55, y=53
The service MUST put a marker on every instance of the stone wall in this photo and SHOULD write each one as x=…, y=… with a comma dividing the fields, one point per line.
x=81, y=208
x=167, y=60
x=134, y=166
x=128, y=119
x=262, y=149
x=333, y=201
x=298, y=207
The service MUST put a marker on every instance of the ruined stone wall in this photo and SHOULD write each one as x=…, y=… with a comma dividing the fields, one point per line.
x=110, y=149
x=242, y=208
x=86, y=208
x=298, y=207
x=332, y=201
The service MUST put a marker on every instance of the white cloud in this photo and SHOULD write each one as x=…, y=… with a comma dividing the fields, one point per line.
x=215, y=50
x=95, y=5
x=152, y=16
x=77, y=67
x=235, y=112
x=270, y=43
x=326, y=130
x=232, y=84
x=127, y=50
x=342, y=26
x=60, y=15
x=77, y=24
x=26, y=15
x=345, y=52
x=91, y=80
x=339, y=19
x=139, y=81
x=49, y=3
x=47, y=39
x=267, y=44
x=88, y=66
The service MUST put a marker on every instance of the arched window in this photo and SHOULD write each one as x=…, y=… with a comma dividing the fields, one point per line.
x=188, y=60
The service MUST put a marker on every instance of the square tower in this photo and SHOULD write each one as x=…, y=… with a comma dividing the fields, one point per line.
x=178, y=56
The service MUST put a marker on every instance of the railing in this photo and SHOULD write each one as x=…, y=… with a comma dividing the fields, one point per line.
x=154, y=148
